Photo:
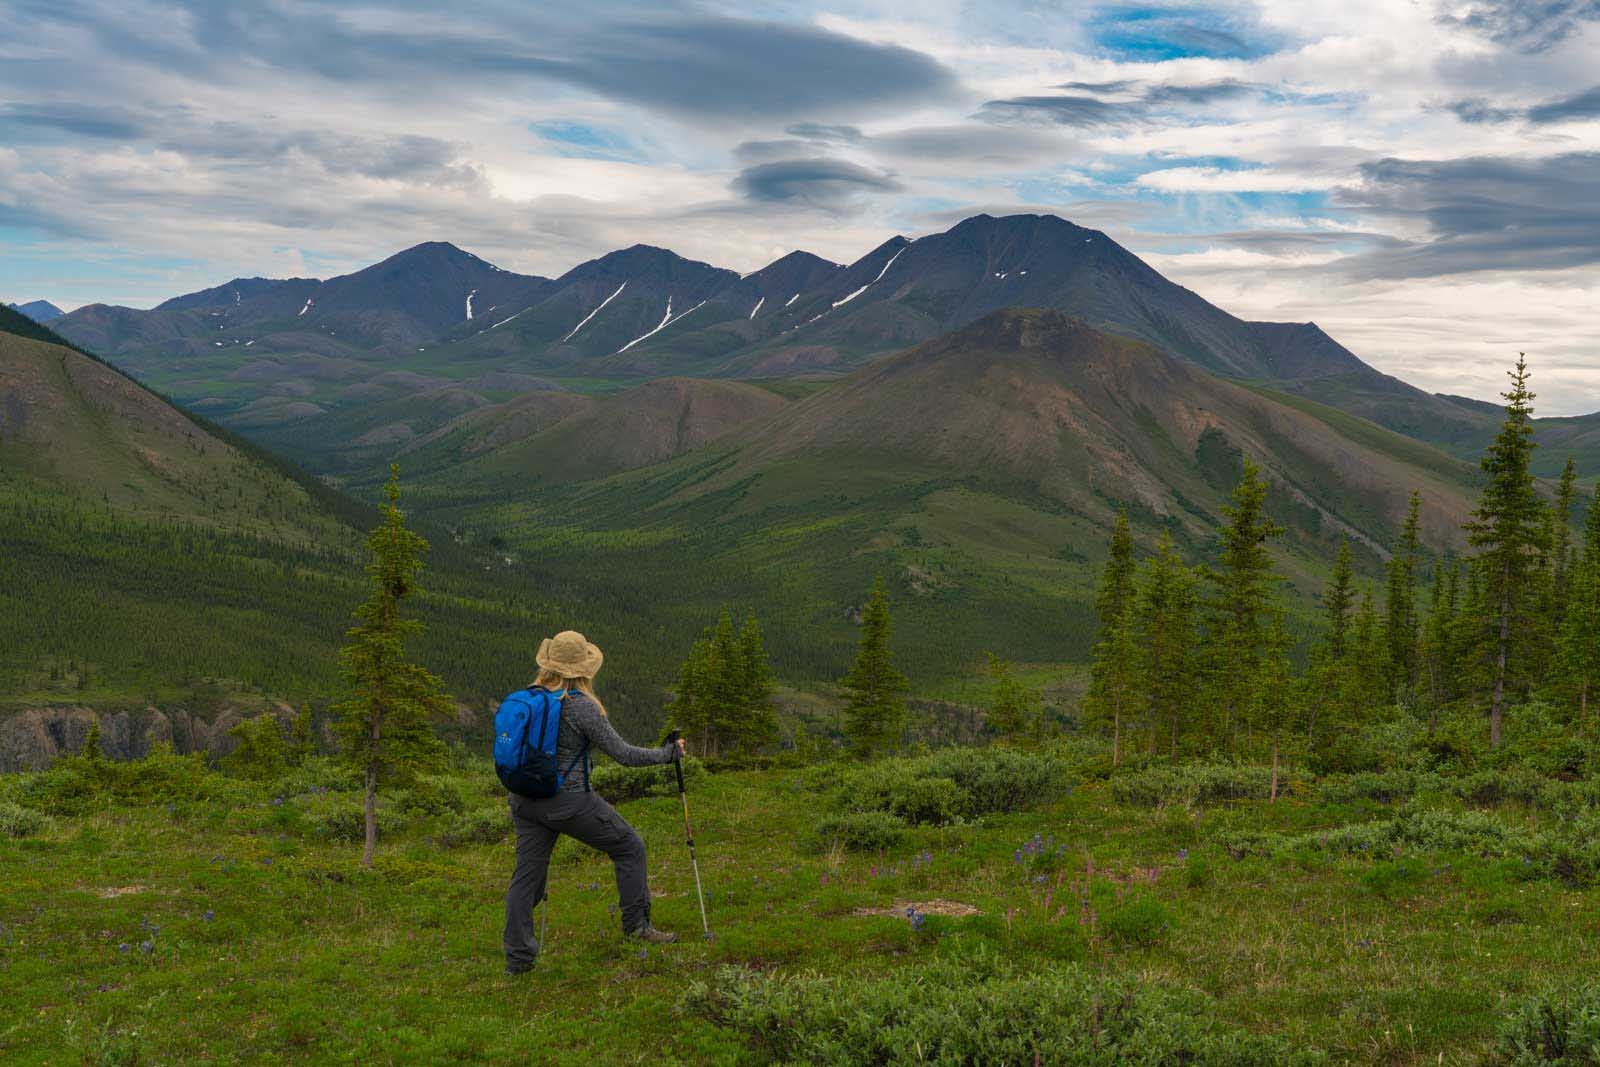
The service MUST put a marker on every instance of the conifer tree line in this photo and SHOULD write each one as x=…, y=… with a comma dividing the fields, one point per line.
x=1195, y=659
x=723, y=702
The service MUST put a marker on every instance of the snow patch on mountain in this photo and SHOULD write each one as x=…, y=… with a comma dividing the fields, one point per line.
x=869, y=285
x=597, y=311
x=666, y=321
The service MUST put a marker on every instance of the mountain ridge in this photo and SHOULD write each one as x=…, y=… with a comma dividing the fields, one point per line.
x=645, y=312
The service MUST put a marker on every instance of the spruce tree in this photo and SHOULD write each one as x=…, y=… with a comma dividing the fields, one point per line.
x=875, y=707
x=1014, y=709
x=1330, y=659
x=384, y=726
x=723, y=691
x=1558, y=539
x=1508, y=530
x=757, y=726
x=1163, y=635
x=1400, y=616
x=1339, y=599
x=692, y=708
x=1112, y=673
x=1242, y=598
x=1369, y=653
x=303, y=745
x=1436, y=662
x=1579, y=652
x=1278, y=693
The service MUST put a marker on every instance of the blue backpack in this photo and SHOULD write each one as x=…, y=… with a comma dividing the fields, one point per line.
x=525, y=730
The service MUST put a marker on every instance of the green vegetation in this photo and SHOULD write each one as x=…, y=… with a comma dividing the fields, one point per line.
x=1511, y=626
x=1383, y=917
x=385, y=727
x=723, y=701
x=1255, y=844
x=875, y=707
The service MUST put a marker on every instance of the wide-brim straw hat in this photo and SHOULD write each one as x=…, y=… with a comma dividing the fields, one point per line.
x=570, y=655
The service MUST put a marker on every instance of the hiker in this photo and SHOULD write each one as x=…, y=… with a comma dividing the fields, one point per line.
x=567, y=666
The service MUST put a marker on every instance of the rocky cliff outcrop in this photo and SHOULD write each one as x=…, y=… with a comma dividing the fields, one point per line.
x=34, y=738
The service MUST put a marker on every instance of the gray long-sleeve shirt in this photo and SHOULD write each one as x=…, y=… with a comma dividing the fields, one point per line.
x=584, y=727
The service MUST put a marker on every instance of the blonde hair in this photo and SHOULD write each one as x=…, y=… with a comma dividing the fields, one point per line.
x=549, y=679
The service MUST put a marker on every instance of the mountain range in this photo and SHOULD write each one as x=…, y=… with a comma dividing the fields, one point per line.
x=896, y=416
x=40, y=311
x=342, y=373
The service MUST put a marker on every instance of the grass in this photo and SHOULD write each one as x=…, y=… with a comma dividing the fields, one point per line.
x=156, y=926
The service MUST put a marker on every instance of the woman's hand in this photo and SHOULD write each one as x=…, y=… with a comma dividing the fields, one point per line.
x=683, y=747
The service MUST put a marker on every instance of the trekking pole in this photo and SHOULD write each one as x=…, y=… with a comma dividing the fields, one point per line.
x=544, y=920
x=688, y=832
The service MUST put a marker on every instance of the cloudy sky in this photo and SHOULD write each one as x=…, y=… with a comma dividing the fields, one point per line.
x=1421, y=177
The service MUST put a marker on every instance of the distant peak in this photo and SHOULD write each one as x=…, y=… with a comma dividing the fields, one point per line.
x=1016, y=221
x=430, y=249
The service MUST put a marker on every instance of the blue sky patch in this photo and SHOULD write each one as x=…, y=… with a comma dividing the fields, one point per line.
x=1148, y=34
x=580, y=140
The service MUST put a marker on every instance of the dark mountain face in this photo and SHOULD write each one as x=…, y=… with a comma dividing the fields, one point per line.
x=607, y=306
x=416, y=295
x=434, y=287
x=944, y=281
x=643, y=312
x=40, y=310
x=231, y=294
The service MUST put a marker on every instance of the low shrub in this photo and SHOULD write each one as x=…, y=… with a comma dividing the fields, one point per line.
x=1515, y=784
x=1552, y=1029
x=1381, y=787
x=481, y=826
x=18, y=821
x=342, y=816
x=261, y=752
x=1002, y=779
x=1194, y=783
x=898, y=787
x=1570, y=852
x=79, y=784
x=1138, y=920
x=618, y=783
x=948, y=786
x=1401, y=878
x=434, y=794
x=319, y=774
x=976, y=1010
x=861, y=831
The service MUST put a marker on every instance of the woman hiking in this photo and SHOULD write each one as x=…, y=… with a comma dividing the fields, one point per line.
x=567, y=666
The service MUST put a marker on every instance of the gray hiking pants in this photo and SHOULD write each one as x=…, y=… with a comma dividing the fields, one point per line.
x=590, y=819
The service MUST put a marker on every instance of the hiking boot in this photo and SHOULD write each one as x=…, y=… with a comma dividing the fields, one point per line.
x=651, y=936
x=515, y=969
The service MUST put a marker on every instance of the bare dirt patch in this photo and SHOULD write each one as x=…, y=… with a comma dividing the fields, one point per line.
x=949, y=908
